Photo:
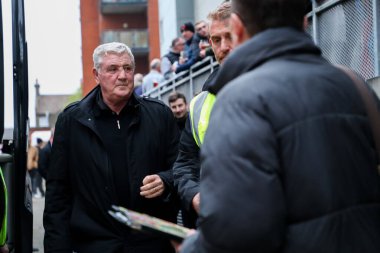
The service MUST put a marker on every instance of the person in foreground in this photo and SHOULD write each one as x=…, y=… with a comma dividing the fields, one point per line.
x=186, y=169
x=110, y=148
x=293, y=169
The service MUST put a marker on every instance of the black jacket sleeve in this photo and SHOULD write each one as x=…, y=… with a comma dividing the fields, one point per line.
x=43, y=160
x=2, y=202
x=186, y=169
x=58, y=194
x=171, y=148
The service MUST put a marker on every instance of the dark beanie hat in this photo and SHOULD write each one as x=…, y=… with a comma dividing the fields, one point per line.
x=187, y=27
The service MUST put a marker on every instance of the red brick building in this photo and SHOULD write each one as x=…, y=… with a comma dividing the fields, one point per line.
x=133, y=22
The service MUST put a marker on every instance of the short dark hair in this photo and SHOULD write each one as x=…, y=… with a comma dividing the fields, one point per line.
x=259, y=15
x=174, y=96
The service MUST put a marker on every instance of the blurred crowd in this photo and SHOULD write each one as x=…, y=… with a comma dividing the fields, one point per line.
x=191, y=47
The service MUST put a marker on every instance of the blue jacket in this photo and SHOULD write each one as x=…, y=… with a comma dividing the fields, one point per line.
x=192, y=53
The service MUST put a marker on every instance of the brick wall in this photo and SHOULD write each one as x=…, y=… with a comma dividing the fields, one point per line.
x=93, y=23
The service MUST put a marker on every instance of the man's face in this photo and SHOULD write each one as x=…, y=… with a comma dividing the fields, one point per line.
x=178, y=108
x=220, y=39
x=187, y=35
x=202, y=29
x=180, y=45
x=115, y=77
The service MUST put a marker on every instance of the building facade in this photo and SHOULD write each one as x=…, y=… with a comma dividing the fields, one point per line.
x=133, y=22
x=48, y=107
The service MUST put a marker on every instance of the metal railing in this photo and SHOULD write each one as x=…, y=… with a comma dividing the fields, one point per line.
x=189, y=82
x=347, y=31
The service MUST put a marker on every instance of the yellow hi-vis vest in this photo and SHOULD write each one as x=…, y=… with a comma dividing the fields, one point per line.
x=200, y=110
x=3, y=232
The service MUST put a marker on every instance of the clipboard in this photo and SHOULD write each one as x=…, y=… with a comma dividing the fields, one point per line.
x=144, y=222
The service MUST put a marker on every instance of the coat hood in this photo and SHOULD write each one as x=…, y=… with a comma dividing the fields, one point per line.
x=269, y=44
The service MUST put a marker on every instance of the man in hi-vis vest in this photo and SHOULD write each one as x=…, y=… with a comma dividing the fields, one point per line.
x=186, y=169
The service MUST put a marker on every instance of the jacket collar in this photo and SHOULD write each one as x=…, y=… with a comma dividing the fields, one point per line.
x=269, y=44
x=92, y=106
x=100, y=107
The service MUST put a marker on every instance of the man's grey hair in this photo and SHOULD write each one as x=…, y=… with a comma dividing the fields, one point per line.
x=155, y=63
x=111, y=48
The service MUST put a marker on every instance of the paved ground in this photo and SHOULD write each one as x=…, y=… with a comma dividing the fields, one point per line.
x=38, y=229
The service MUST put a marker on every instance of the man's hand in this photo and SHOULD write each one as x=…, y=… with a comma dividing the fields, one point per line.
x=196, y=202
x=152, y=187
x=202, y=53
x=177, y=245
x=182, y=60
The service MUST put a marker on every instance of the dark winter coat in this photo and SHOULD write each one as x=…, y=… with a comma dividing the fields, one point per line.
x=172, y=56
x=186, y=169
x=81, y=188
x=44, y=160
x=288, y=160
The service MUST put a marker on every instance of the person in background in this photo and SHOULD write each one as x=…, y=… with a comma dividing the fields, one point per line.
x=186, y=169
x=32, y=165
x=110, y=148
x=191, y=53
x=178, y=105
x=171, y=59
x=44, y=156
x=294, y=166
x=202, y=30
x=154, y=77
x=138, y=80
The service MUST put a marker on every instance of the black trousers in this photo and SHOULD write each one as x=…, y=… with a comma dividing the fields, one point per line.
x=36, y=181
